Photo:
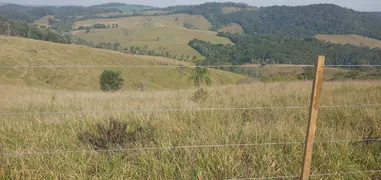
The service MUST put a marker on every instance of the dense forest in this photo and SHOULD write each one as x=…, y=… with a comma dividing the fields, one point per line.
x=275, y=49
x=299, y=21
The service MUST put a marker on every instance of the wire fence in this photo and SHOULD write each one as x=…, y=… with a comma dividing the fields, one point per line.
x=178, y=66
x=366, y=140
x=312, y=175
x=180, y=110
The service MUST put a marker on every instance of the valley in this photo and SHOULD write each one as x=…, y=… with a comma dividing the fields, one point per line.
x=207, y=91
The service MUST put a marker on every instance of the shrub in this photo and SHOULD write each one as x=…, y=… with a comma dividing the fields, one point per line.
x=111, y=80
x=200, y=95
x=117, y=135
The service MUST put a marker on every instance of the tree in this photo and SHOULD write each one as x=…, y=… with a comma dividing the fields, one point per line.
x=116, y=46
x=111, y=80
x=88, y=29
x=200, y=77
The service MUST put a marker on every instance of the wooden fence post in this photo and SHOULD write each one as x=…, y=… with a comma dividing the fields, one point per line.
x=314, y=109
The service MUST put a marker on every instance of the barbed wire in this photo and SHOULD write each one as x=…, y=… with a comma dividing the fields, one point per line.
x=312, y=175
x=189, y=109
x=177, y=66
x=184, y=147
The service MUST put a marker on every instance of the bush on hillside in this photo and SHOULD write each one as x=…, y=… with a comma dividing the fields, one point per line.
x=111, y=80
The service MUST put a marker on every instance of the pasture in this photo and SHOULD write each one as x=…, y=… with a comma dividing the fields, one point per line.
x=53, y=145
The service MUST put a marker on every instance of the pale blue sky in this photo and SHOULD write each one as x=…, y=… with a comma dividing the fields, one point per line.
x=361, y=5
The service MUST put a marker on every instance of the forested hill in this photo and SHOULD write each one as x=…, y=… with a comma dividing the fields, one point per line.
x=23, y=29
x=300, y=21
x=123, y=7
x=31, y=13
x=273, y=49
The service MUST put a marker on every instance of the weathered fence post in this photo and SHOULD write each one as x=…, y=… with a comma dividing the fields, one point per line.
x=314, y=109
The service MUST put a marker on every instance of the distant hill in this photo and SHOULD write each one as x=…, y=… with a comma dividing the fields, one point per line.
x=33, y=13
x=300, y=21
x=21, y=51
x=123, y=7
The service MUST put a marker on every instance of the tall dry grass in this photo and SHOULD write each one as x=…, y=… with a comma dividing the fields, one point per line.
x=46, y=132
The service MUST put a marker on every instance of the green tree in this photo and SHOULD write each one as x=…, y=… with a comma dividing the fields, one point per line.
x=200, y=77
x=111, y=80
x=116, y=46
x=88, y=29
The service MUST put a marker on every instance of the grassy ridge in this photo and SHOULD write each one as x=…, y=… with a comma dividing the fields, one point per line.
x=176, y=20
x=172, y=40
x=160, y=33
x=20, y=51
x=60, y=132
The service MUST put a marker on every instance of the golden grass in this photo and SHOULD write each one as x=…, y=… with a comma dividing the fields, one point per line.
x=21, y=51
x=144, y=30
x=232, y=28
x=171, y=39
x=350, y=39
x=44, y=21
x=177, y=20
x=228, y=10
x=31, y=133
x=274, y=69
x=145, y=12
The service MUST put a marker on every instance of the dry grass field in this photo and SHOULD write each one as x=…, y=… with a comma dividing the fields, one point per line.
x=159, y=33
x=350, y=39
x=21, y=51
x=171, y=39
x=232, y=28
x=59, y=133
x=44, y=21
x=177, y=20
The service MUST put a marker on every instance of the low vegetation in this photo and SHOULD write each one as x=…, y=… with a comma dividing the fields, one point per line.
x=91, y=130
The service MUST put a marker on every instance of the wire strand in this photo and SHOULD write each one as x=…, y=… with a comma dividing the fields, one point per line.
x=153, y=110
x=177, y=66
x=312, y=175
x=190, y=109
x=149, y=148
x=184, y=147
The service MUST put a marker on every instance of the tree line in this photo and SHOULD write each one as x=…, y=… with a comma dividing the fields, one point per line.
x=299, y=21
x=276, y=49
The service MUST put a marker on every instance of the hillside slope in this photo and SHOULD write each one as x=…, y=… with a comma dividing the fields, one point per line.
x=298, y=21
x=158, y=33
x=21, y=51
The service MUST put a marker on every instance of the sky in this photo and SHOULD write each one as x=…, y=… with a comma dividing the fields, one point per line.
x=360, y=5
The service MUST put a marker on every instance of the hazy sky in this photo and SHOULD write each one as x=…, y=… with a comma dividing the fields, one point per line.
x=361, y=5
